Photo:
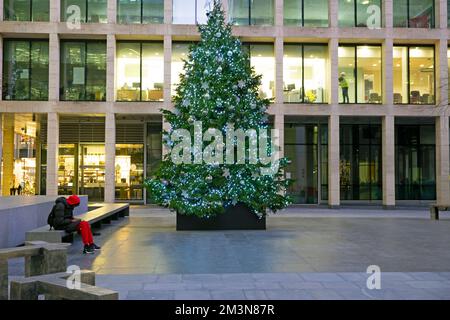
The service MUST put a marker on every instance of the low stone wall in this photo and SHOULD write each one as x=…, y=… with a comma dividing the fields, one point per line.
x=20, y=214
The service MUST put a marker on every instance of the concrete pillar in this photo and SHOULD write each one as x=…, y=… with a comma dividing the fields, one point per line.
x=55, y=11
x=333, y=162
x=442, y=74
x=333, y=60
x=442, y=160
x=388, y=159
x=112, y=11
x=333, y=13
x=168, y=11
x=110, y=68
x=279, y=54
x=167, y=95
x=225, y=9
x=52, y=153
x=110, y=161
x=441, y=14
x=53, y=80
x=279, y=13
x=1, y=64
x=388, y=62
x=387, y=13
x=8, y=153
x=279, y=125
x=1, y=10
x=52, y=260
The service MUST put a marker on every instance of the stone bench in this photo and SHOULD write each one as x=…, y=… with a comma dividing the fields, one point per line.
x=434, y=210
x=103, y=214
x=54, y=287
x=40, y=258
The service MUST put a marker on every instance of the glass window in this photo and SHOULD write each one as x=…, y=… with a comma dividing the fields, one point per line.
x=25, y=70
x=91, y=11
x=190, y=11
x=414, y=75
x=360, y=74
x=415, y=162
x=83, y=71
x=305, y=64
x=360, y=162
x=129, y=164
x=357, y=13
x=26, y=10
x=413, y=13
x=251, y=12
x=154, y=149
x=140, y=71
x=180, y=52
x=140, y=11
x=262, y=59
x=306, y=13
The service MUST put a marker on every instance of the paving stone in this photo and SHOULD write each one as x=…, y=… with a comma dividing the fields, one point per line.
x=192, y=295
x=150, y=295
x=255, y=295
x=302, y=285
x=325, y=294
x=227, y=294
x=429, y=276
x=321, y=277
x=286, y=294
x=429, y=284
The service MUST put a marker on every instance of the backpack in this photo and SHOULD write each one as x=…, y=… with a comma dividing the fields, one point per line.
x=51, y=218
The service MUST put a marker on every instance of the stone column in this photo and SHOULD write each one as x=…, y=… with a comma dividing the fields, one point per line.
x=441, y=14
x=8, y=153
x=1, y=10
x=279, y=125
x=52, y=153
x=279, y=54
x=167, y=82
x=168, y=11
x=110, y=68
x=388, y=156
x=112, y=11
x=387, y=13
x=442, y=74
x=333, y=83
x=110, y=161
x=333, y=162
x=279, y=13
x=333, y=13
x=442, y=160
x=55, y=11
x=53, y=80
x=388, y=84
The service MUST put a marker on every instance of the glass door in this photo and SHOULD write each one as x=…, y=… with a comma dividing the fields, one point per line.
x=92, y=171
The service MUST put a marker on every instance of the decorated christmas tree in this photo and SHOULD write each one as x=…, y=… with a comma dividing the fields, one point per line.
x=218, y=95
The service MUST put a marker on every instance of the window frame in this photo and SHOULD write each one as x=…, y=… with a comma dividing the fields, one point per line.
x=249, y=11
x=408, y=69
x=355, y=15
x=31, y=15
x=86, y=15
x=408, y=16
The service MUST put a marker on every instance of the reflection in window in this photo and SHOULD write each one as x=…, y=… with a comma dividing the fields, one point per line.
x=360, y=72
x=415, y=160
x=25, y=70
x=414, y=78
x=413, y=13
x=357, y=13
x=26, y=10
x=129, y=171
x=360, y=162
x=92, y=11
x=190, y=11
x=154, y=149
x=251, y=12
x=306, y=145
x=83, y=70
x=140, y=11
x=140, y=71
x=262, y=59
x=180, y=52
x=306, y=13
x=305, y=73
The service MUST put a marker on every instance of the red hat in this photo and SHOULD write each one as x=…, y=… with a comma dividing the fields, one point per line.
x=73, y=200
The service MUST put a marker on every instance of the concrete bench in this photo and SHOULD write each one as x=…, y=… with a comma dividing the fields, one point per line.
x=40, y=258
x=54, y=287
x=103, y=214
x=434, y=210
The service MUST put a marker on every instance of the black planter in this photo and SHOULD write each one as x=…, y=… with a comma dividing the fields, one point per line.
x=238, y=217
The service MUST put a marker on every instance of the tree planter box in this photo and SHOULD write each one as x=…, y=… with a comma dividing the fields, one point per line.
x=237, y=217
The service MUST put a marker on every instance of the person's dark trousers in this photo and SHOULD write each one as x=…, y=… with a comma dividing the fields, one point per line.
x=345, y=95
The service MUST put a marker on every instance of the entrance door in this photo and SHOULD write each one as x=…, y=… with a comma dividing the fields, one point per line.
x=92, y=171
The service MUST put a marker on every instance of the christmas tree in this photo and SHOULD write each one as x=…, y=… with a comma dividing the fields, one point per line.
x=218, y=91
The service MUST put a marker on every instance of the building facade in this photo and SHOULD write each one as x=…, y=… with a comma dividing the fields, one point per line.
x=360, y=93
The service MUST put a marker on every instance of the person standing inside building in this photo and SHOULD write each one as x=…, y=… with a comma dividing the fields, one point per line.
x=64, y=220
x=344, y=85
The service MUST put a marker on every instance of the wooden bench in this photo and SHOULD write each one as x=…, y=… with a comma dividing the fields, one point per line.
x=103, y=214
x=434, y=210
x=40, y=258
x=54, y=287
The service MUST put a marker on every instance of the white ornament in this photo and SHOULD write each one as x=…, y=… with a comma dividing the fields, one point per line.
x=230, y=53
x=226, y=173
x=241, y=84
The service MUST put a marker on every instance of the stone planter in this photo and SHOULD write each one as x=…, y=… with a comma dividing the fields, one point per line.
x=238, y=217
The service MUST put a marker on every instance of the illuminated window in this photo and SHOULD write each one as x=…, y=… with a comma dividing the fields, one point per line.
x=180, y=52
x=305, y=73
x=91, y=11
x=190, y=11
x=140, y=71
x=359, y=78
x=414, y=75
x=262, y=59
x=26, y=10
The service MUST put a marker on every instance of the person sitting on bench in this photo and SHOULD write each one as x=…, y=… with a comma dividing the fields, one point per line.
x=64, y=220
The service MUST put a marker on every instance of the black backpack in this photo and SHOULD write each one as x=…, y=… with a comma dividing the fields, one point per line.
x=51, y=218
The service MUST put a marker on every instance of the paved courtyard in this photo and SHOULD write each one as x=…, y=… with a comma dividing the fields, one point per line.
x=305, y=253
